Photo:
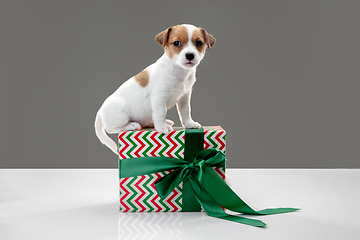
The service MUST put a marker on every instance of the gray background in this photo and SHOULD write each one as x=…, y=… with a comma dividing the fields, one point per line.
x=283, y=79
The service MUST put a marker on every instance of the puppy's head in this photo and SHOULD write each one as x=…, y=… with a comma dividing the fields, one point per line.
x=185, y=44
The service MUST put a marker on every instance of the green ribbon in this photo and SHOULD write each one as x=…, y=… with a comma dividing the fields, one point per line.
x=207, y=186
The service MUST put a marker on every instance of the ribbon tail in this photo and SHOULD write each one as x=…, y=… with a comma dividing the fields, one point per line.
x=270, y=211
x=213, y=209
x=227, y=198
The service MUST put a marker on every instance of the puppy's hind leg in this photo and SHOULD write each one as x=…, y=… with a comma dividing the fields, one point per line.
x=131, y=126
x=112, y=118
x=168, y=121
x=123, y=125
x=116, y=119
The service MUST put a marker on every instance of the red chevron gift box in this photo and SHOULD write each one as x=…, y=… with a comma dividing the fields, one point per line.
x=138, y=194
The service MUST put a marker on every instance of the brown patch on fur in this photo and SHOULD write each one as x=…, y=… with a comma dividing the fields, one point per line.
x=169, y=36
x=198, y=36
x=142, y=78
x=178, y=33
x=163, y=37
x=209, y=39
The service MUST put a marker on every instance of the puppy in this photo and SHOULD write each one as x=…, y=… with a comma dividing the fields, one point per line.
x=143, y=100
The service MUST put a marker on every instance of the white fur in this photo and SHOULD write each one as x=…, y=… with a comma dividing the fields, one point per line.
x=131, y=106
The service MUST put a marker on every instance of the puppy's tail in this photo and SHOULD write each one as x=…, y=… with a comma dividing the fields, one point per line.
x=103, y=137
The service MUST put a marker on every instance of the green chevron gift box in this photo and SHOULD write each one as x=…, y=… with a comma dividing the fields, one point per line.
x=138, y=193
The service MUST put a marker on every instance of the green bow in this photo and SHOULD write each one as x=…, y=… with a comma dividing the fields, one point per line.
x=209, y=189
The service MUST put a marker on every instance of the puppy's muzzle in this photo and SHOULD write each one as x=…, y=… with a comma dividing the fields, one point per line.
x=189, y=56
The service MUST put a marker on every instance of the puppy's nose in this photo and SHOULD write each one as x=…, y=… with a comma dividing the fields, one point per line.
x=189, y=56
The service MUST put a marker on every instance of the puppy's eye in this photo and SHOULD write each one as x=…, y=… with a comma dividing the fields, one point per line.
x=177, y=43
x=199, y=43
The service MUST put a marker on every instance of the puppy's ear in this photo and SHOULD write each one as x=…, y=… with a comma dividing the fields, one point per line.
x=163, y=37
x=209, y=39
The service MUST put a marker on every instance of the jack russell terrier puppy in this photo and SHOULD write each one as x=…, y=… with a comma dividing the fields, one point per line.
x=143, y=100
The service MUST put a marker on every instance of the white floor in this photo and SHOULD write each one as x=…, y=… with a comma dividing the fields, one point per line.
x=83, y=204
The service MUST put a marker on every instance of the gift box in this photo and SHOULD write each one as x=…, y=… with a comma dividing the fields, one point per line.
x=138, y=193
x=182, y=171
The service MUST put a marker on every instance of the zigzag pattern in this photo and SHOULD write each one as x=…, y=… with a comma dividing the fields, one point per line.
x=220, y=171
x=151, y=144
x=138, y=194
x=214, y=137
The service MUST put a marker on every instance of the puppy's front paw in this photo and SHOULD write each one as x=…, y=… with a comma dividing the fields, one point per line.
x=163, y=128
x=192, y=124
